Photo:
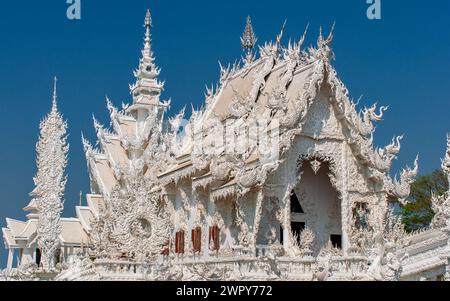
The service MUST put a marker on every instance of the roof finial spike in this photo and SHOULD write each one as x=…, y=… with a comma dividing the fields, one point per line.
x=148, y=19
x=303, y=37
x=54, y=104
x=147, y=40
x=322, y=42
x=280, y=36
x=331, y=35
x=248, y=39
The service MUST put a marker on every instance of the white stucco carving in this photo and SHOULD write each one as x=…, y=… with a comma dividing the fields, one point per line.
x=276, y=178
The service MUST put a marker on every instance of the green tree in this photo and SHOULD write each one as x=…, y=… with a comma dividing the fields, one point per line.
x=417, y=214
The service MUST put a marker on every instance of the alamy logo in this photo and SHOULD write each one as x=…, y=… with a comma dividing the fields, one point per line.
x=74, y=9
x=374, y=9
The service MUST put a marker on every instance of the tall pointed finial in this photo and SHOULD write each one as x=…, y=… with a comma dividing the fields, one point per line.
x=147, y=89
x=148, y=19
x=147, y=40
x=54, y=105
x=248, y=39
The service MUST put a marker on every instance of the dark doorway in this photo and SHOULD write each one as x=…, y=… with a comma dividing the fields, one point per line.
x=38, y=257
x=295, y=204
x=336, y=241
x=281, y=235
x=58, y=256
x=297, y=229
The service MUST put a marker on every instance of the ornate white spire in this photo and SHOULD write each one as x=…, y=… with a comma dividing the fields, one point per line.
x=248, y=41
x=50, y=183
x=147, y=89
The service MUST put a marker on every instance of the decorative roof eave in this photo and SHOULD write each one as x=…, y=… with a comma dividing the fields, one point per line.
x=227, y=190
x=8, y=239
x=23, y=235
x=380, y=159
x=103, y=136
x=95, y=208
x=16, y=227
x=202, y=181
x=115, y=117
x=85, y=224
x=177, y=174
x=31, y=207
x=91, y=157
x=147, y=106
x=402, y=188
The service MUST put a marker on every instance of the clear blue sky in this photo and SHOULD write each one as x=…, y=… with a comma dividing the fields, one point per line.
x=402, y=61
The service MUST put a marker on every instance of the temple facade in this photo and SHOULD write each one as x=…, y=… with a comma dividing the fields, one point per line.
x=276, y=177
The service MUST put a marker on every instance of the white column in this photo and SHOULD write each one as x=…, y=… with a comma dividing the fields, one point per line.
x=10, y=259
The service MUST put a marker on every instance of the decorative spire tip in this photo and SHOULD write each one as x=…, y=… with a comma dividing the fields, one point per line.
x=148, y=19
x=54, y=106
x=248, y=38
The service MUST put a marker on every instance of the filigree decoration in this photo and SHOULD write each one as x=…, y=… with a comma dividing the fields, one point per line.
x=307, y=239
x=139, y=218
x=133, y=222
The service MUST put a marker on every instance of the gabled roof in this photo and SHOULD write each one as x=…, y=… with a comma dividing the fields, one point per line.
x=16, y=227
x=8, y=238
x=85, y=216
x=95, y=203
x=72, y=232
x=28, y=231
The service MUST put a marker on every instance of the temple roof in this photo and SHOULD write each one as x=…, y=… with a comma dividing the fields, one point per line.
x=72, y=232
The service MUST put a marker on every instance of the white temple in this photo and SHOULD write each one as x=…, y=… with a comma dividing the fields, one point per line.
x=275, y=178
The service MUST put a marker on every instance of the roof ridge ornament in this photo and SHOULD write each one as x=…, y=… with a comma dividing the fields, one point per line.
x=280, y=36
x=303, y=37
x=248, y=41
x=323, y=45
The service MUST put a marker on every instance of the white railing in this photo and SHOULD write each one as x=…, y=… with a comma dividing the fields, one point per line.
x=246, y=267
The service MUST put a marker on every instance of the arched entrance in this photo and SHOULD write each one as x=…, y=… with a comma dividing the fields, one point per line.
x=316, y=204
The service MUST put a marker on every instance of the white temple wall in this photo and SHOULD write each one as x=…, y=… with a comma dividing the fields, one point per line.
x=182, y=213
x=269, y=231
x=248, y=206
x=224, y=219
x=355, y=174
